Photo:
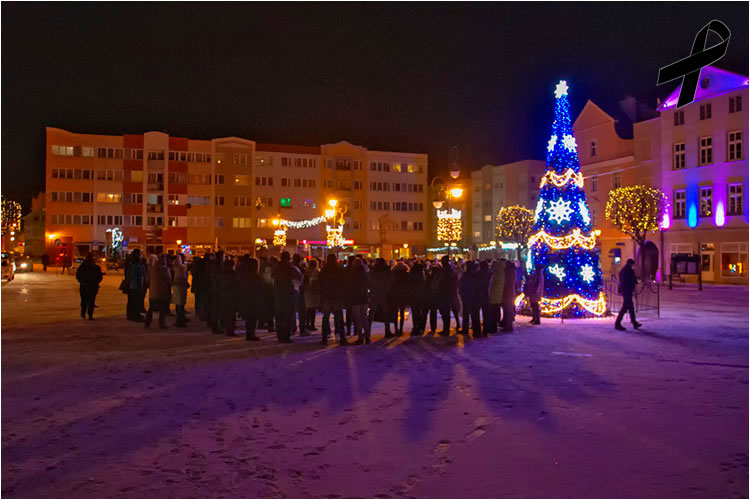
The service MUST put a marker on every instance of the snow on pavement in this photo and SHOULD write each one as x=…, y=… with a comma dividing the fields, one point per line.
x=110, y=409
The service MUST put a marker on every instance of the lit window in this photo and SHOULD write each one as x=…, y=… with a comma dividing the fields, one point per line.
x=706, y=201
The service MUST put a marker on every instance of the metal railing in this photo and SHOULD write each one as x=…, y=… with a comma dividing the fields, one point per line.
x=647, y=296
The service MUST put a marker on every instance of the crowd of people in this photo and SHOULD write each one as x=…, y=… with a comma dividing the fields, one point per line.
x=286, y=294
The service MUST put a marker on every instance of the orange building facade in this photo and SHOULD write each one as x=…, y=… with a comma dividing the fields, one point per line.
x=172, y=194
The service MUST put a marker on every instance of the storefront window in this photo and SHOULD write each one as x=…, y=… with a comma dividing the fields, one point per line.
x=734, y=259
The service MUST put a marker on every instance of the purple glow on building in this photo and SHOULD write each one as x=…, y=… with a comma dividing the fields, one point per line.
x=720, y=219
x=665, y=223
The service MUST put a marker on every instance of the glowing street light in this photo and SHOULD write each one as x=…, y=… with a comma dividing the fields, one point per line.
x=437, y=204
x=275, y=222
x=179, y=242
x=333, y=203
x=457, y=192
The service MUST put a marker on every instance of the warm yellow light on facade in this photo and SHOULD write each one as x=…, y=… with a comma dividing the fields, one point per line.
x=493, y=243
x=179, y=242
x=406, y=245
x=333, y=203
x=437, y=204
x=51, y=236
x=275, y=222
x=457, y=192
x=330, y=214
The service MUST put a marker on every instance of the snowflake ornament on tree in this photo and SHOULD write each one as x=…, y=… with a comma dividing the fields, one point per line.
x=558, y=271
x=561, y=89
x=551, y=143
x=570, y=143
x=585, y=215
x=559, y=210
x=587, y=273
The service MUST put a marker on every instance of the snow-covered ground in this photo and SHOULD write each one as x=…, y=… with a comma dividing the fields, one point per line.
x=109, y=409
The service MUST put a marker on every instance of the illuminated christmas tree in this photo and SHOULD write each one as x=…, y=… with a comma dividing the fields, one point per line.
x=563, y=239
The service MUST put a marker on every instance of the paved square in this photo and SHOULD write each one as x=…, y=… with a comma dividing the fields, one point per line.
x=110, y=409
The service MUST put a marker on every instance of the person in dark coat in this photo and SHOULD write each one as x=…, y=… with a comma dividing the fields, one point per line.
x=468, y=287
x=331, y=278
x=381, y=282
x=251, y=285
x=300, y=309
x=286, y=280
x=88, y=275
x=509, y=296
x=160, y=283
x=534, y=290
x=497, y=288
x=346, y=296
x=359, y=289
x=431, y=295
x=483, y=296
x=628, y=282
x=447, y=290
x=135, y=279
x=197, y=270
x=215, y=287
x=400, y=295
x=230, y=285
x=418, y=299
x=45, y=261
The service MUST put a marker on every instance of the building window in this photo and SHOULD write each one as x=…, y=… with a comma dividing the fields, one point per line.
x=285, y=203
x=594, y=184
x=108, y=198
x=679, y=118
x=219, y=221
x=735, y=104
x=735, y=146
x=219, y=201
x=679, y=204
x=706, y=200
x=706, y=151
x=734, y=259
x=592, y=148
x=219, y=179
x=488, y=218
x=241, y=222
x=357, y=204
x=705, y=111
x=678, y=156
x=734, y=207
x=241, y=180
x=616, y=180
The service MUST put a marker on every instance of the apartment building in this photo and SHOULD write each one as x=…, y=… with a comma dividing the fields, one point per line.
x=704, y=172
x=170, y=193
x=697, y=155
x=496, y=186
x=615, y=153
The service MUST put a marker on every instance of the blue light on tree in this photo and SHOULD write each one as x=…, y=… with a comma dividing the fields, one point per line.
x=563, y=239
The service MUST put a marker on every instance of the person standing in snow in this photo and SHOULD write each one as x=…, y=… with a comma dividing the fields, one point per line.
x=534, y=290
x=627, y=287
x=89, y=275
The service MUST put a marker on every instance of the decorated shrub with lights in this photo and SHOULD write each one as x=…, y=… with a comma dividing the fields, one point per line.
x=563, y=240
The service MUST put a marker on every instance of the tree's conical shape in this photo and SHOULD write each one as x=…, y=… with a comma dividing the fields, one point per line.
x=563, y=242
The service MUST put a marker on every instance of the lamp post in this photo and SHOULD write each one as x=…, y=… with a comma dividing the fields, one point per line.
x=445, y=193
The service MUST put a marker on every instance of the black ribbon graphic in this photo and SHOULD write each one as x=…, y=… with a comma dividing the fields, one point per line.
x=700, y=56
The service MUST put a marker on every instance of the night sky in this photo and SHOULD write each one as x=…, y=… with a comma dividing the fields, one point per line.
x=414, y=77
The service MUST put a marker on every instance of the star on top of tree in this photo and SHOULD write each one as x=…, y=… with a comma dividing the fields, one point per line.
x=570, y=143
x=587, y=273
x=561, y=89
x=559, y=210
x=551, y=143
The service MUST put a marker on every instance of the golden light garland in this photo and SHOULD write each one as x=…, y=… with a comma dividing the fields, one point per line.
x=561, y=180
x=561, y=242
x=335, y=237
x=635, y=210
x=449, y=225
x=260, y=243
x=279, y=238
x=596, y=307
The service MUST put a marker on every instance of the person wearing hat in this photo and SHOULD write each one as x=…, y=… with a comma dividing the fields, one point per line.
x=627, y=287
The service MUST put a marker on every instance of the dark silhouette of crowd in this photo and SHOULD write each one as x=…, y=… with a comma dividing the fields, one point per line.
x=285, y=294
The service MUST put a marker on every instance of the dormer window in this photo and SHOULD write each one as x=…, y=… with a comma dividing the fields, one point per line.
x=592, y=148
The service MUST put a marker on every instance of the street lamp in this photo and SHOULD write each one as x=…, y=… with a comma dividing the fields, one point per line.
x=446, y=194
x=455, y=171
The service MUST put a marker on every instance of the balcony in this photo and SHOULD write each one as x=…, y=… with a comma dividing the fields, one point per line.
x=155, y=209
x=155, y=164
x=155, y=186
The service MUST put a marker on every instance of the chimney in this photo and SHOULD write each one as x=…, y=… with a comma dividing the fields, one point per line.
x=629, y=107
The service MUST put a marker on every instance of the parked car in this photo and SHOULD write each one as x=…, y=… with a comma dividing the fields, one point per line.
x=24, y=264
x=9, y=266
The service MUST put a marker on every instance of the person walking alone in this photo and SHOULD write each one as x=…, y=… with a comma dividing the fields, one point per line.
x=628, y=281
x=89, y=275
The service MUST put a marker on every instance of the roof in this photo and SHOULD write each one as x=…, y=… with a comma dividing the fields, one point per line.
x=628, y=112
x=284, y=148
x=713, y=81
